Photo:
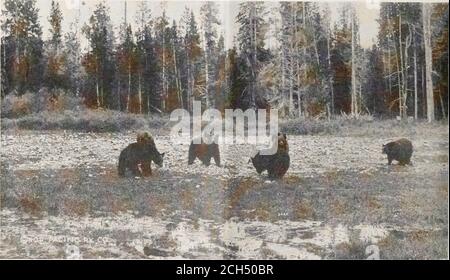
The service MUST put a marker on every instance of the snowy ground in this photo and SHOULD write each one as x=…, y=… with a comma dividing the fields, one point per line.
x=61, y=197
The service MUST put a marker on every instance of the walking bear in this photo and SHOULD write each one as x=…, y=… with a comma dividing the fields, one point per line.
x=276, y=164
x=204, y=152
x=137, y=157
x=400, y=150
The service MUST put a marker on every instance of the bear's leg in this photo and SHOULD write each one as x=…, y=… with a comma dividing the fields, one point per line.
x=206, y=160
x=146, y=168
x=216, y=155
x=135, y=169
x=191, y=156
x=390, y=160
x=272, y=174
x=122, y=165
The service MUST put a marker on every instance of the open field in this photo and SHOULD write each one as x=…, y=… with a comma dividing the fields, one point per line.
x=60, y=189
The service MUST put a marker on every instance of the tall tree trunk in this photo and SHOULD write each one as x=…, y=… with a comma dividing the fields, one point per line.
x=96, y=82
x=399, y=79
x=444, y=115
x=330, y=70
x=177, y=79
x=163, y=101
x=299, y=85
x=188, y=92
x=405, y=74
x=424, y=94
x=140, y=92
x=291, y=62
x=415, y=74
x=354, y=106
x=208, y=102
x=129, y=87
x=402, y=74
x=283, y=80
x=305, y=76
x=118, y=93
x=255, y=55
x=389, y=57
x=426, y=18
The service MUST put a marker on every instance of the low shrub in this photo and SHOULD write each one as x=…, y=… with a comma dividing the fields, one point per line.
x=84, y=120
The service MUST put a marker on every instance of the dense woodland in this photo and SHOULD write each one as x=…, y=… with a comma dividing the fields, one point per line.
x=317, y=67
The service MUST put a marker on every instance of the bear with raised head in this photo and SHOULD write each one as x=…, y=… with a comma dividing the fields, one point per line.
x=137, y=157
x=204, y=152
x=276, y=164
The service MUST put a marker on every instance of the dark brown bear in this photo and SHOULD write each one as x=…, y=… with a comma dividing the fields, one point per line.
x=276, y=164
x=400, y=150
x=204, y=152
x=137, y=157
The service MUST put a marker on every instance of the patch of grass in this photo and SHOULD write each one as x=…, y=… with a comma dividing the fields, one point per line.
x=361, y=127
x=304, y=210
x=419, y=244
x=15, y=106
x=74, y=207
x=31, y=204
x=84, y=121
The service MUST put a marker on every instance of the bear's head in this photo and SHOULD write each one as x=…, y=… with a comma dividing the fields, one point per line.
x=149, y=146
x=386, y=149
x=282, y=142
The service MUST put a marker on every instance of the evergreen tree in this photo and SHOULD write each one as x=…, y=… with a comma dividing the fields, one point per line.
x=98, y=61
x=251, y=36
x=210, y=22
x=148, y=68
x=162, y=34
x=72, y=55
x=22, y=46
x=193, y=56
x=54, y=74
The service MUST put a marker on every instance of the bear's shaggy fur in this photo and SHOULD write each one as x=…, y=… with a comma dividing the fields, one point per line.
x=276, y=164
x=137, y=157
x=400, y=150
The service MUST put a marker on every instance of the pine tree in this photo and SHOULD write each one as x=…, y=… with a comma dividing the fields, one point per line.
x=72, y=55
x=193, y=54
x=54, y=75
x=148, y=68
x=345, y=59
x=127, y=67
x=162, y=33
x=426, y=17
x=210, y=22
x=98, y=62
x=22, y=46
x=251, y=36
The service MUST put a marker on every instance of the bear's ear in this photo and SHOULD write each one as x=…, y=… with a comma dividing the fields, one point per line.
x=284, y=135
x=162, y=155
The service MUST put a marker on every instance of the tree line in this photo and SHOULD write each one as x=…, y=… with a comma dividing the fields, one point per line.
x=316, y=67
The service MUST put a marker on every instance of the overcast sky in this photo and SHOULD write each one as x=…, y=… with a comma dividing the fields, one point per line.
x=367, y=14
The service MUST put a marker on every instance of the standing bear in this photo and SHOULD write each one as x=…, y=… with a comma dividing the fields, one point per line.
x=137, y=157
x=276, y=164
x=400, y=150
x=204, y=152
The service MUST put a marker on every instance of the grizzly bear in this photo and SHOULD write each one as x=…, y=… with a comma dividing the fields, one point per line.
x=137, y=157
x=400, y=150
x=276, y=164
x=204, y=152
